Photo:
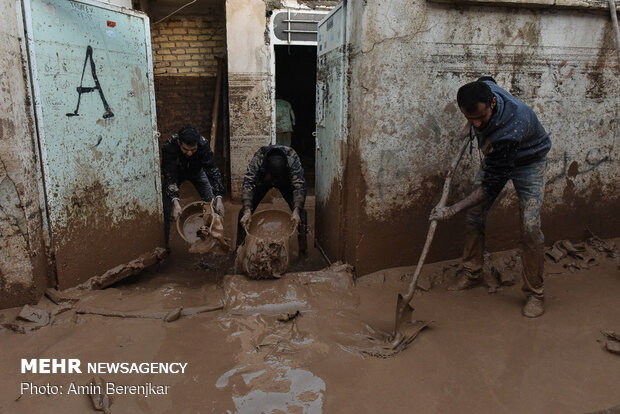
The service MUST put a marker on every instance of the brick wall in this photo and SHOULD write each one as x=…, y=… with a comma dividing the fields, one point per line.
x=185, y=66
x=187, y=46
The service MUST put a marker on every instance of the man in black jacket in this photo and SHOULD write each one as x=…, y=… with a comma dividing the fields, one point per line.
x=275, y=166
x=188, y=156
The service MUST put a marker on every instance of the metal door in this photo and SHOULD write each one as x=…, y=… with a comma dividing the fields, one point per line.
x=331, y=131
x=92, y=81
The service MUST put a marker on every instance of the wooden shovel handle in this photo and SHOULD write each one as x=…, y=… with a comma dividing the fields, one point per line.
x=433, y=225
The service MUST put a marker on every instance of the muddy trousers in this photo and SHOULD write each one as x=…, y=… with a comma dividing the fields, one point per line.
x=529, y=182
x=287, y=193
x=201, y=184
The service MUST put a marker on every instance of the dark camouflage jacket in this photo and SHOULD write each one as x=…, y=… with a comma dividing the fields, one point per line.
x=254, y=176
x=175, y=166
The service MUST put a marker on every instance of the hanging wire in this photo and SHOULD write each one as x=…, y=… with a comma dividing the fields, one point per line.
x=175, y=12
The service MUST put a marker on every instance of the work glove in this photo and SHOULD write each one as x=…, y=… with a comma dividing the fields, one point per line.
x=219, y=206
x=176, y=210
x=295, y=219
x=441, y=213
x=246, y=218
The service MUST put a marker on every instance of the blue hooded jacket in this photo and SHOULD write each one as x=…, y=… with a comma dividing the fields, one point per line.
x=513, y=137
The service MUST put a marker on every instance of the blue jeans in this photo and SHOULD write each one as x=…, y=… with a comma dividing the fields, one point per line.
x=201, y=184
x=529, y=183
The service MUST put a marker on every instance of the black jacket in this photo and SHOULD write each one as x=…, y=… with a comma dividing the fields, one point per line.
x=176, y=167
x=254, y=175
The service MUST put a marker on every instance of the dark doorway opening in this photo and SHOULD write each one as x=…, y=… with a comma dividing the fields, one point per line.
x=296, y=84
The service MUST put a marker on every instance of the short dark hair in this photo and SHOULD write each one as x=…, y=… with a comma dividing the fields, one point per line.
x=487, y=78
x=473, y=93
x=189, y=135
x=275, y=164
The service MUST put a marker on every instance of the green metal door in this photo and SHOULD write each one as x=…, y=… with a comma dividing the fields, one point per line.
x=331, y=131
x=92, y=81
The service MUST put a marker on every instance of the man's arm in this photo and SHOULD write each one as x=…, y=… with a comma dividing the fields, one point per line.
x=296, y=178
x=497, y=167
x=169, y=168
x=250, y=180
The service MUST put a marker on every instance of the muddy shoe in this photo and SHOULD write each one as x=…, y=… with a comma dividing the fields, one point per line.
x=534, y=307
x=465, y=282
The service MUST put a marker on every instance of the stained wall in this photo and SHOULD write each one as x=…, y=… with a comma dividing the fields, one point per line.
x=407, y=60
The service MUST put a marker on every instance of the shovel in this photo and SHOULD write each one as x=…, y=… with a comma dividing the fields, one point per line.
x=404, y=311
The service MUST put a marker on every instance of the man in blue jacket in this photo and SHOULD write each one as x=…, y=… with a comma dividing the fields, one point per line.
x=515, y=147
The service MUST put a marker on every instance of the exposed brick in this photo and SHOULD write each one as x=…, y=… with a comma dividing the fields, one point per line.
x=166, y=44
x=179, y=30
x=185, y=70
x=192, y=50
x=174, y=38
x=191, y=63
x=169, y=57
x=182, y=44
x=163, y=51
x=178, y=51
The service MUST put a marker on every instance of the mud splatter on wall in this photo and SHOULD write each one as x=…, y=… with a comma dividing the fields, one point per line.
x=23, y=265
x=407, y=60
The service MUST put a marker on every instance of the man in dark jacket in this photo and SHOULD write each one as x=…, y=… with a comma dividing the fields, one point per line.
x=274, y=166
x=188, y=156
x=515, y=147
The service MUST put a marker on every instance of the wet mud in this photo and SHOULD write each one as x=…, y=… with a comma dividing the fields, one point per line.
x=298, y=344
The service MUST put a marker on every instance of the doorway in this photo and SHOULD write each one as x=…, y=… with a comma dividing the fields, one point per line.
x=296, y=84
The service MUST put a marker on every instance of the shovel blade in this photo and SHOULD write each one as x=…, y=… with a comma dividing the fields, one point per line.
x=404, y=312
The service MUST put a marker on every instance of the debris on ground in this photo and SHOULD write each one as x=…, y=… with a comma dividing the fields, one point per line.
x=31, y=318
x=286, y=317
x=613, y=342
x=612, y=410
x=59, y=298
x=123, y=271
x=577, y=256
x=35, y=315
x=167, y=316
x=101, y=401
x=381, y=344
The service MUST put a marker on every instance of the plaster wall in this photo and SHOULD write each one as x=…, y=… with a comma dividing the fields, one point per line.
x=249, y=84
x=407, y=60
x=23, y=270
x=251, y=77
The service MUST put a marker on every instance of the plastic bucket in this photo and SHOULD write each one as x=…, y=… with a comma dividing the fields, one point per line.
x=192, y=218
x=265, y=251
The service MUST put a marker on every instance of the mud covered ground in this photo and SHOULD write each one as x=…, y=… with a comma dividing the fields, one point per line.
x=259, y=354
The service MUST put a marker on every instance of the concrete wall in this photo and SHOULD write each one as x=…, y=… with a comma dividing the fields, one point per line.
x=249, y=84
x=407, y=61
x=22, y=249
